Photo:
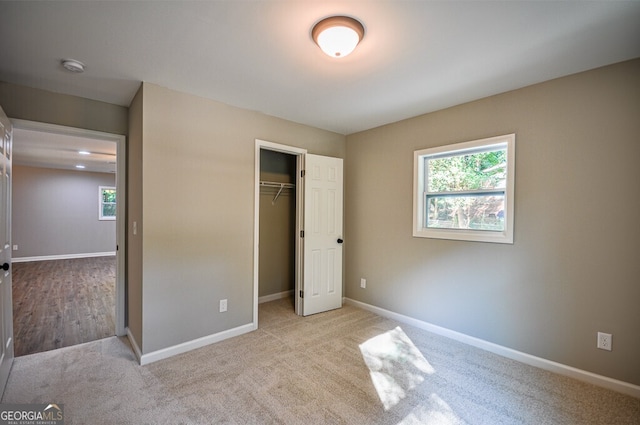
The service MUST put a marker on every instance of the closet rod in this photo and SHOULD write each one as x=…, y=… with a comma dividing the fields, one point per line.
x=276, y=184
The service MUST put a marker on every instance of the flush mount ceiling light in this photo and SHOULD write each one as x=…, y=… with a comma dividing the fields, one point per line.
x=337, y=36
x=73, y=65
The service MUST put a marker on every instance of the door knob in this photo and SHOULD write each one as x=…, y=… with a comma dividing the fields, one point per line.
x=5, y=266
x=340, y=241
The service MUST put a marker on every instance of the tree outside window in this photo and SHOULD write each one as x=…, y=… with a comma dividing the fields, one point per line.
x=107, y=207
x=465, y=191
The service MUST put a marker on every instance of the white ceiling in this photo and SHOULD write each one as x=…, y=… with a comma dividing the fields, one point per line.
x=416, y=56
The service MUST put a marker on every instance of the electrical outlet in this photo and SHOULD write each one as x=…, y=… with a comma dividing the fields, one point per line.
x=223, y=306
x=15, y=247
x=363, y=282
x=604, y=341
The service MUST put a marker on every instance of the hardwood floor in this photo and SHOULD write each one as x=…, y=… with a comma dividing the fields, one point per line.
x=62, y=302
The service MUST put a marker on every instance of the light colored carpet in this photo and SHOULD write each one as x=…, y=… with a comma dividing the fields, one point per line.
x=347, y=366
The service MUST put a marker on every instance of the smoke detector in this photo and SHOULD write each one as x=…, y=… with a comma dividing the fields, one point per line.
x=73, y=65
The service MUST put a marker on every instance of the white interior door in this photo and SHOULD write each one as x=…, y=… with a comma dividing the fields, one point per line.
x=323, y=209
x=6, y=306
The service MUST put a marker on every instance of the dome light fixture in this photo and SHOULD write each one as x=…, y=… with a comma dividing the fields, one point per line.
x=72, y=65
x=337, y=36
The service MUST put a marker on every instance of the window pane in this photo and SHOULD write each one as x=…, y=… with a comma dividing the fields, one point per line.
x=475, y=171
x=483, y=212
x=108, y=210
x=108, y=195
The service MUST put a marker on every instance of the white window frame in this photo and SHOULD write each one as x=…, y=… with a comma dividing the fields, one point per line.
x=100, y=203
x=419, y=226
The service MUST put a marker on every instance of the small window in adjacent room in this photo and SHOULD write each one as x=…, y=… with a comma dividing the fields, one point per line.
x=465, y=191
x=107, y=207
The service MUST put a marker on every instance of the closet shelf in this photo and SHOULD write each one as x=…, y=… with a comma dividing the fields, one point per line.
x=281, y=186
x=277, y=184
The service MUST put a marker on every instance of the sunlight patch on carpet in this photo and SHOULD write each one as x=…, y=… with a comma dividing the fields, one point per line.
x=395, y=364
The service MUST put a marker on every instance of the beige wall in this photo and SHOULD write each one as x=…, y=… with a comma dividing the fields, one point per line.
x=134, y=214
x=197, y=209
x=31, y=104
x=573, y=269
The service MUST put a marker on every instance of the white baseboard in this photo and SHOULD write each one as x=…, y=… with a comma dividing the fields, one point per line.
x=62, y=257
x=273, y=297
x=559, y=368
x=192, y=345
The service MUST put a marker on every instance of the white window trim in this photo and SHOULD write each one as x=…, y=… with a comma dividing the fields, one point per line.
x=419, y=229
x=100, y=216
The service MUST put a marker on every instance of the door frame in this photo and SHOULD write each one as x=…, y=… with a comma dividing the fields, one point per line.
x=121, y=187
x=300, y=155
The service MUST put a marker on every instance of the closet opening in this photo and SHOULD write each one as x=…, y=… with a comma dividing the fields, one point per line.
x=278, y=200
x=278, y=222
x=278, y=217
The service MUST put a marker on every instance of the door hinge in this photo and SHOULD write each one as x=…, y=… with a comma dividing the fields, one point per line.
x=302, y=233
x=302, y=173
x=301, y=294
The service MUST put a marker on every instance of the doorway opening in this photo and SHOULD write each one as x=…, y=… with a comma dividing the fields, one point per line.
x=278, y=220
x=277, y=225
x=69, y=246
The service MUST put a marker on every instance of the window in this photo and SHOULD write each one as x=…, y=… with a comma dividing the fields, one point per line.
x=107, y=203
x=465, y=191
